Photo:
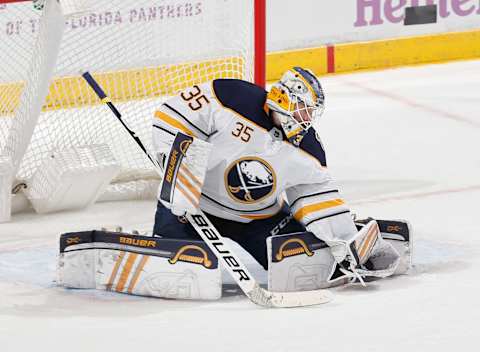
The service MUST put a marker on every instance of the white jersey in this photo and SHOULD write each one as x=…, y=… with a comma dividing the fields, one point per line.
x=252, y=168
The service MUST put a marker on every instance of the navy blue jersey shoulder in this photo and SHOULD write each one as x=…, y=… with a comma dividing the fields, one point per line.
x=245, y=98
x=248, y=100
x=312, y=146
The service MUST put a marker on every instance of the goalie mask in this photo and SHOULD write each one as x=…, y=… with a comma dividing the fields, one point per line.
x=299, y=100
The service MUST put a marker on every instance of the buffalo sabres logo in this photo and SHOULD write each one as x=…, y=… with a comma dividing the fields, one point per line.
x=249, y=180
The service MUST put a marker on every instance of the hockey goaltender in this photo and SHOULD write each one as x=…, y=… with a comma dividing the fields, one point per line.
x=253, y=163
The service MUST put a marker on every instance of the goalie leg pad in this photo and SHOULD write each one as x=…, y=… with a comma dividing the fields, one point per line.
x=139, y=265
x=301, y=261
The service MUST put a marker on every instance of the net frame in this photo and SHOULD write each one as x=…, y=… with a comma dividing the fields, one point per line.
x=49, y=90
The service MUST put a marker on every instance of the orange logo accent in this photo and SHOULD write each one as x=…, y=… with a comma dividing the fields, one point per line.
x=184, y=146
x=181, y=256
x=73, y=240
x=393, y=228
x=285, y=253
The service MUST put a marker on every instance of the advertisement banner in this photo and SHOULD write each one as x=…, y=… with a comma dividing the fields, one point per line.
x=310, y=23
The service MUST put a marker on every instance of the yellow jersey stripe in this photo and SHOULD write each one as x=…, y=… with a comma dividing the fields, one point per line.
x=257, y=217
x=302, y=212
x=115, y=270
x=126, y=272
x=174, y=123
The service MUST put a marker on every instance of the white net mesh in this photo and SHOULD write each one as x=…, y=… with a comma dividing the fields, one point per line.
x=140, y=51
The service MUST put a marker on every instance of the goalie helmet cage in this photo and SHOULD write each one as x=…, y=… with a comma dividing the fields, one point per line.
x=141, y=51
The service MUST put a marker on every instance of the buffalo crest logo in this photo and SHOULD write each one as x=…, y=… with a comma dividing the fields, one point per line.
x=249, y=180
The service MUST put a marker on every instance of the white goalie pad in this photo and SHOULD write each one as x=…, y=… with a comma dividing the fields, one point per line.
x=139, y=265
x=301, y=262
x=184, y=174
x=72, y=178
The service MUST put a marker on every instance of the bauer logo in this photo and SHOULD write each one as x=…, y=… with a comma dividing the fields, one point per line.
x=249, y=180
x=171, y=166
x=74, y=240
x=137, y=242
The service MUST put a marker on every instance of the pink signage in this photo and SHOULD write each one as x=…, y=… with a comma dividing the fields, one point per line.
x=108, y=18
x=376, y=12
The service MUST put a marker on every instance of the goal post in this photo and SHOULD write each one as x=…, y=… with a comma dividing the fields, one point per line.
x=141, y=51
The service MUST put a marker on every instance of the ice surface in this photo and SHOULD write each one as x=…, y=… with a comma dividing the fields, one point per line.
x=402, y=143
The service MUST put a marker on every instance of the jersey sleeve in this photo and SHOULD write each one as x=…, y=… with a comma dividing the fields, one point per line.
x=190, y=112
x=321, y=209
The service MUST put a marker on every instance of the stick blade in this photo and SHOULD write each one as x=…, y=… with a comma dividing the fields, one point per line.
x=270, y=299
x=300, y=299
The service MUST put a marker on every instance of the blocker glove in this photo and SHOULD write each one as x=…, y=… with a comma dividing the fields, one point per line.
x=184, y=174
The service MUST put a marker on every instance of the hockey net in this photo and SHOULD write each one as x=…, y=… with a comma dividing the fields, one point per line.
x=140, y=51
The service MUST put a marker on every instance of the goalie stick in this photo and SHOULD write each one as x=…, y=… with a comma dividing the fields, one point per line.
x=216, y=242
